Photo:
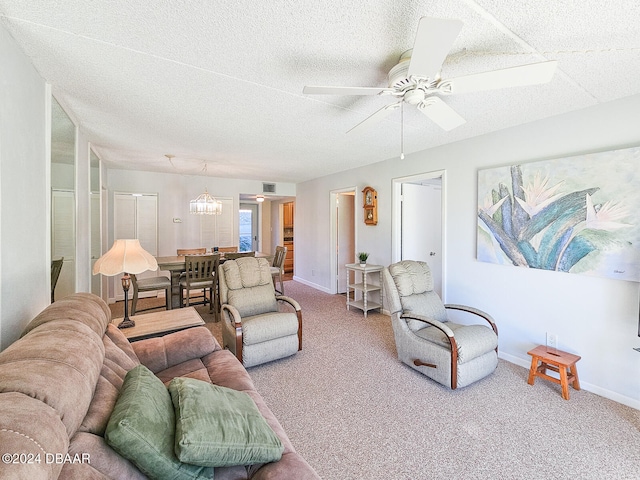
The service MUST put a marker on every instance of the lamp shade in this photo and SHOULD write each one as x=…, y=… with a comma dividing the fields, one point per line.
x=125, y=256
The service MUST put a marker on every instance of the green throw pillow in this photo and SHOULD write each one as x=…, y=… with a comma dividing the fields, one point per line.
x=218, y=426
x=142, y=428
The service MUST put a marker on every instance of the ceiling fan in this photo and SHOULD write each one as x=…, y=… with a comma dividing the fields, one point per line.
x=416, y=80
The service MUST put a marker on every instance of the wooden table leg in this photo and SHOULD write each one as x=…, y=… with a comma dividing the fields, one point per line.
x=574, y=372
x=532, y=370
x=564, y=382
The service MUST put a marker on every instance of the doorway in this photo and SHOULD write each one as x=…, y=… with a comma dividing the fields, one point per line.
x=418, y=228
x=248, y=227
x=343, y=236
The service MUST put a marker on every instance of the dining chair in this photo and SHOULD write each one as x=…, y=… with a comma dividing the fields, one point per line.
x=181, y=252
x=149, y=285
x=236, y=255
x=56, y=267
x=277, y=267
x=193, y=251
x=201, y=273
x=227, y=249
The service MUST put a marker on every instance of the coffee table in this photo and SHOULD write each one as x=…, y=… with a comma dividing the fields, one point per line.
x=161, y=323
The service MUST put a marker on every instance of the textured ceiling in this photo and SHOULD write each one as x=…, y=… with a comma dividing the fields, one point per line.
x=220, y=83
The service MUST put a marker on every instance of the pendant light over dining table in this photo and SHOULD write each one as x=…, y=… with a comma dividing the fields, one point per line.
x=205, y=204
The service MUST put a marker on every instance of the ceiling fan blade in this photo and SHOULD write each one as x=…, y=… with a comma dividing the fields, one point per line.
x=434, y=39
x=314, y=90
x=441, y=113
x=531, y=74
x=371, y=120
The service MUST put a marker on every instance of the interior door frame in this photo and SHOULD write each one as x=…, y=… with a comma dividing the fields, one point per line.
x=396, y=218
x=333, y=241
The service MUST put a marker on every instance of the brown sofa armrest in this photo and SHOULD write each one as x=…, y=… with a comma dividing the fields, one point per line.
x=160, y=353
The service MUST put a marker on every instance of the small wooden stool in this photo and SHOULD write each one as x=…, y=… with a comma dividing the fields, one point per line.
x=558, y=361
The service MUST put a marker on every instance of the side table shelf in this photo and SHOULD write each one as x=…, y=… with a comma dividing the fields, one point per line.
x=365, y=286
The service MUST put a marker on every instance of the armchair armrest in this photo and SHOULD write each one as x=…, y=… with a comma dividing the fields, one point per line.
x=454, y=345
x=296, y=305
x=234, y=314
x=236, y=323
x=290, y=301
x=475, y=311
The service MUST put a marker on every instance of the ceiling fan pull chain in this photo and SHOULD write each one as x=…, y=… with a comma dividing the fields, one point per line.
x=401, y=130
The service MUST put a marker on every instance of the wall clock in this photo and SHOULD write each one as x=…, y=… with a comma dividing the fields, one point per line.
x=370, y=205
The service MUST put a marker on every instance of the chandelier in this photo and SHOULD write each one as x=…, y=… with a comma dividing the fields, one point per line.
x=205, y=204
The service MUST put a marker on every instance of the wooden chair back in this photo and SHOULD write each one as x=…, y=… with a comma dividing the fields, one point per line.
x=191, y=251
x=233, y=256
x=279, y=256
x=56, y=267
x=227, y=249
x=201, y=268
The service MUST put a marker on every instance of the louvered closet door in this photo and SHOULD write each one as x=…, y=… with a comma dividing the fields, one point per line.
x=136, y=216
x=217, y=230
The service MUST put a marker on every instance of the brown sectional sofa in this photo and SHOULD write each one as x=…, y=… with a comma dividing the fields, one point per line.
x=59, y=383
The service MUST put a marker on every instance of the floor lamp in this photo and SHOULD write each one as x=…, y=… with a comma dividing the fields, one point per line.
x=125, y=256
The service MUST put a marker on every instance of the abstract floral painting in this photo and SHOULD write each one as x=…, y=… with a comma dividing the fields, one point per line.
x=577, y=214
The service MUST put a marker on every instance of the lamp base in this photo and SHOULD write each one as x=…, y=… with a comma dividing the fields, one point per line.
x=127, y=323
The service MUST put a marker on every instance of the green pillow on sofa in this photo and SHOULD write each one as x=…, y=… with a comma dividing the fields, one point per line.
x=142, y=427
x=218, y=426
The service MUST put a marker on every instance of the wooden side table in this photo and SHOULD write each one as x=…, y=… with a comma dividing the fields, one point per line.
x=544, y=358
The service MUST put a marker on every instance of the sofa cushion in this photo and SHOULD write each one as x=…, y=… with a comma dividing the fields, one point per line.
x=142, y=427
x=218, y=427
x=164, y=352
x=116, y=364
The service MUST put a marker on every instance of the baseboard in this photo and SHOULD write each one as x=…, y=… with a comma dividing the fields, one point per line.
x=311, y=284
x=603, y=392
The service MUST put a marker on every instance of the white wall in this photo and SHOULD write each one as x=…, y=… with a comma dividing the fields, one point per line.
x=174, y=194
x=24, y=192
x=596, y=318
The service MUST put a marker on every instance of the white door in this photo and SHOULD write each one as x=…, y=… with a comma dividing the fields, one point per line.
x=136, y=216
x=217, y=230
x=248, y=227
x=421, y=230
x=96, y=242
x=345, y=247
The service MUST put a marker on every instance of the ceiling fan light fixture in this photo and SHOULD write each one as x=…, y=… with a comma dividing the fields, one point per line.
x=260, y=198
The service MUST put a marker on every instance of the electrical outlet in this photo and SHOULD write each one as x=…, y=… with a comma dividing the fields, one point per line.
x=552, y=340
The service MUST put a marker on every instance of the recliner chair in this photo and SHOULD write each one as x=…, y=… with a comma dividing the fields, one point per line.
x=452, y=354
x=253, y=328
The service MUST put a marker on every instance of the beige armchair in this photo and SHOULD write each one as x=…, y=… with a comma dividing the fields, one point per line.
x=253, y=328
x=452, y=354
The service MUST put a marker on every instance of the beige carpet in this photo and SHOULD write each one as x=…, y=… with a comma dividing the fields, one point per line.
x=354, y=412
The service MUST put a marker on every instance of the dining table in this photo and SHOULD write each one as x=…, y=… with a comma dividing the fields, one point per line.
x=176, y=265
